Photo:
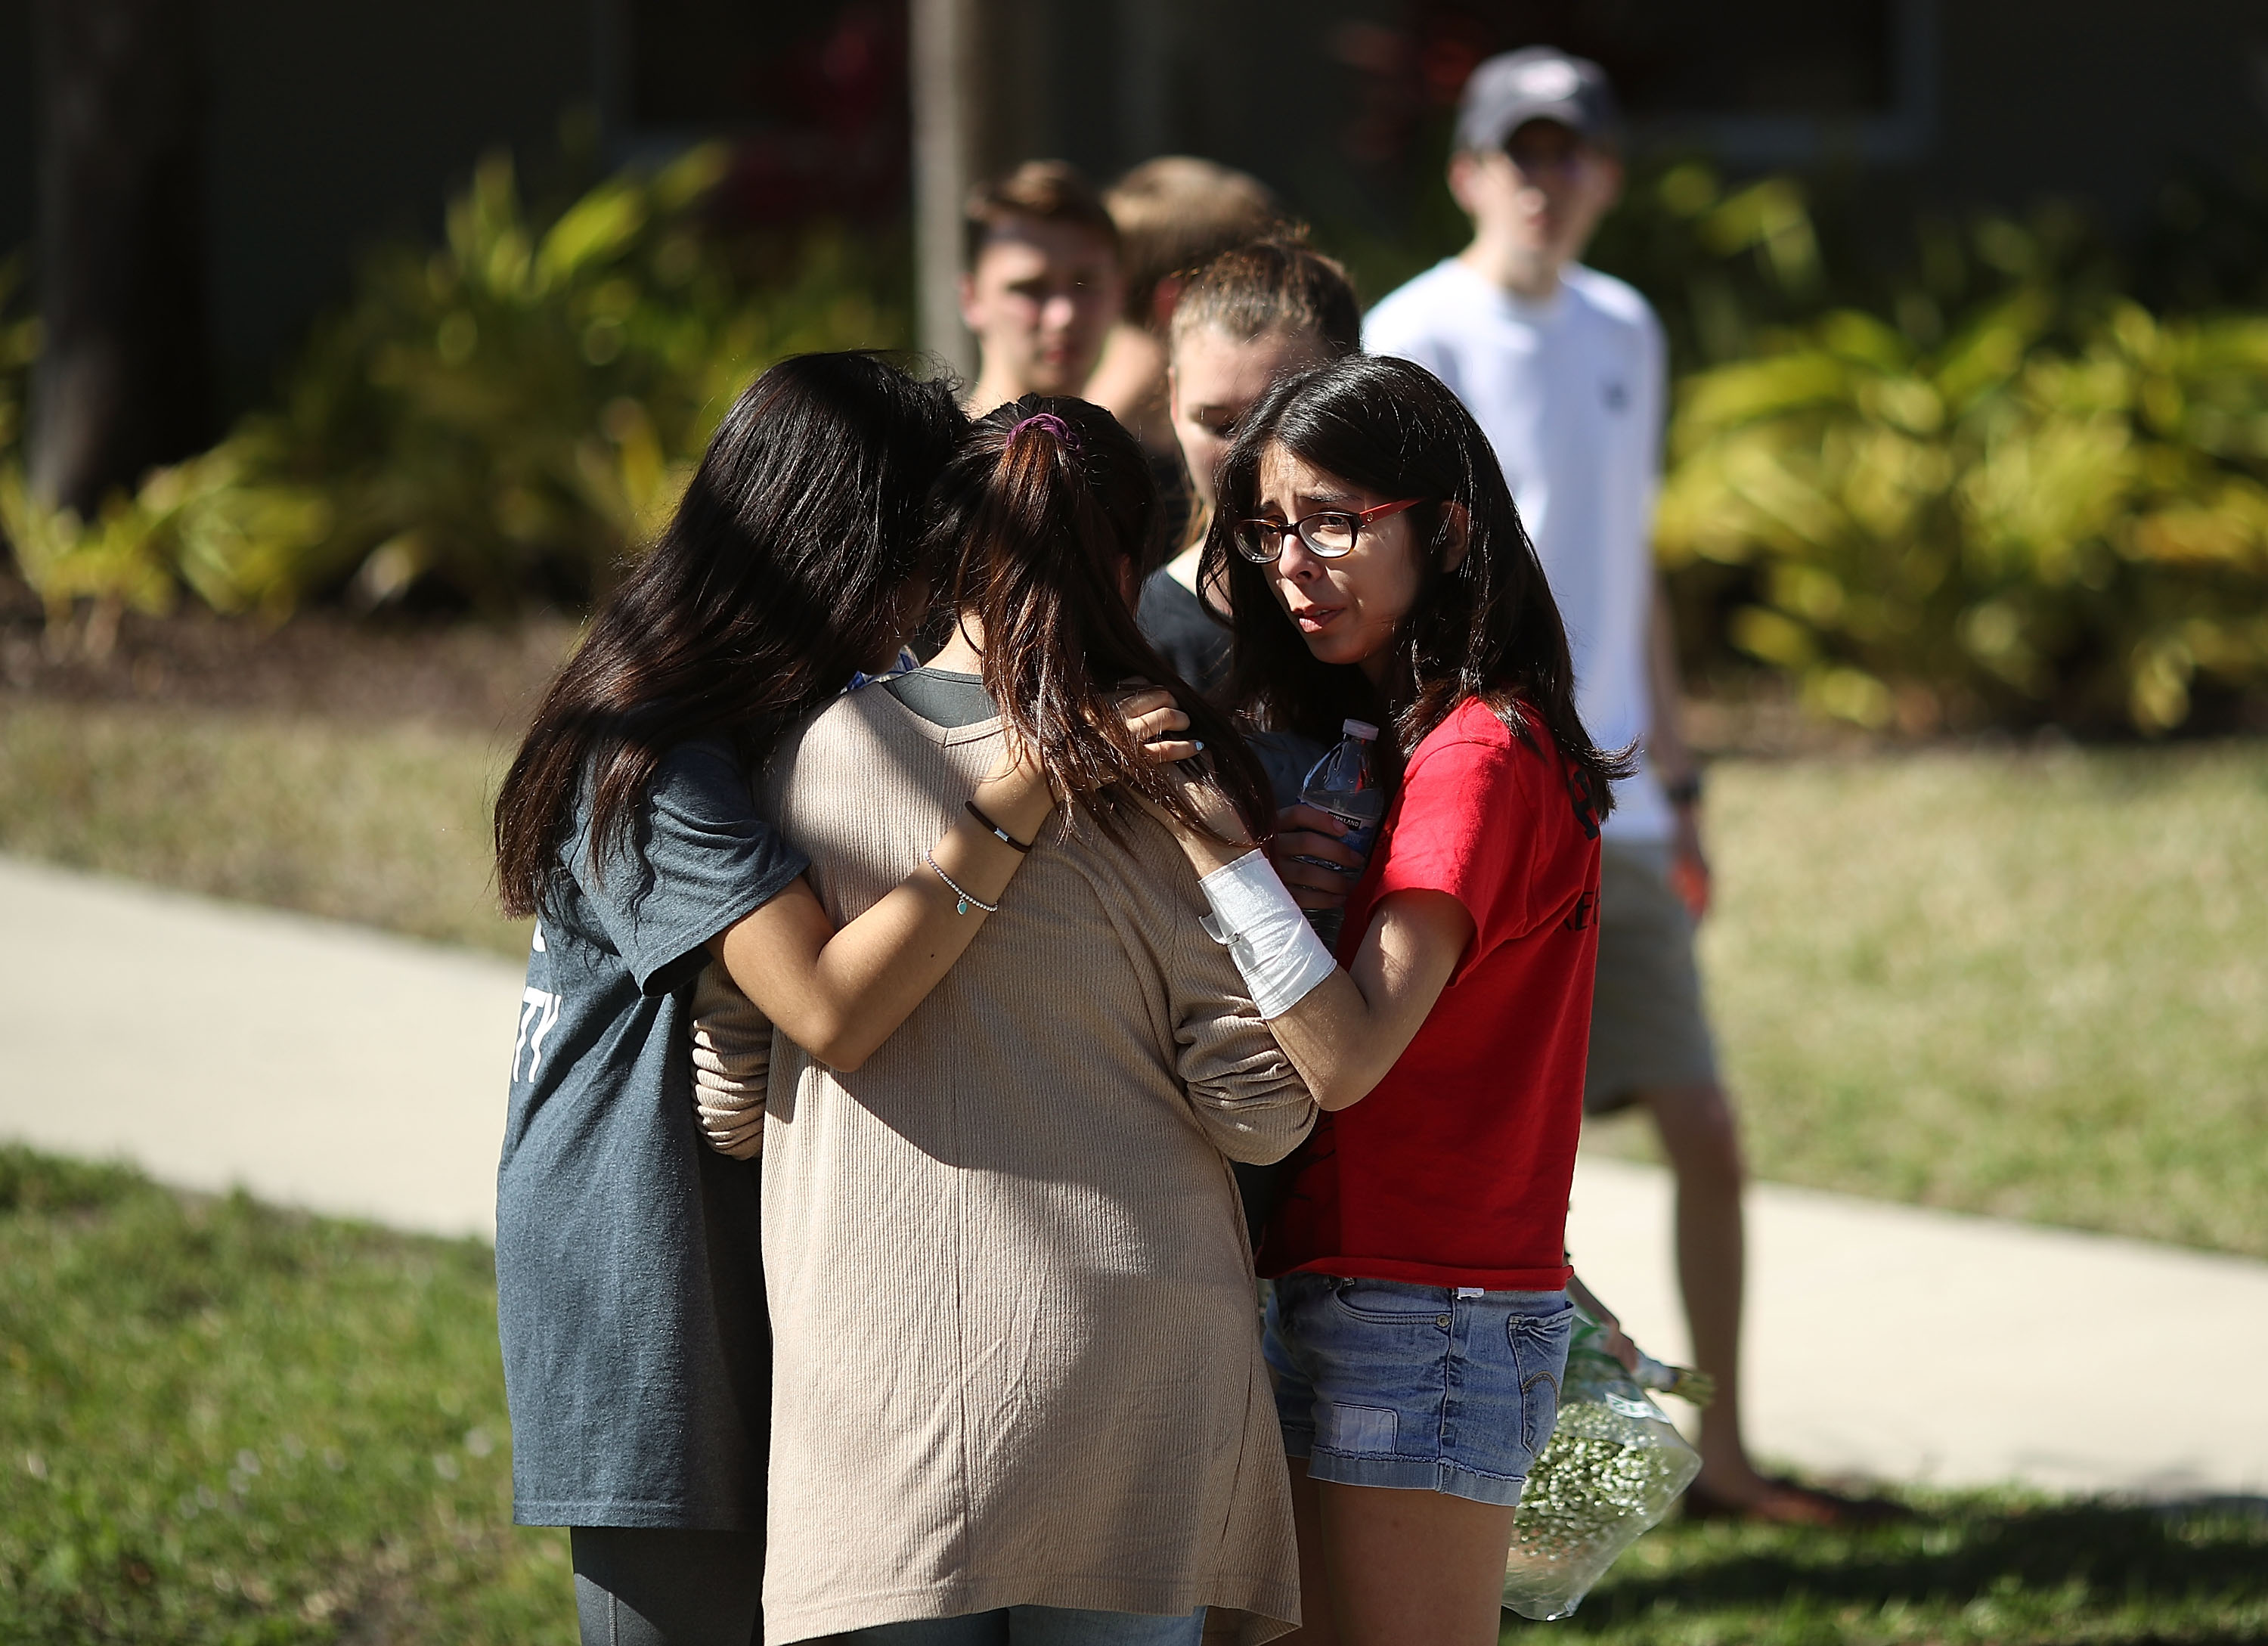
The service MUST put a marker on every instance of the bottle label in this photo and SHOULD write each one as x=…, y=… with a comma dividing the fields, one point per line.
x=1360, y=831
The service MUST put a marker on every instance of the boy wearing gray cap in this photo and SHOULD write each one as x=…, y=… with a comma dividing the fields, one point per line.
x=1565, y=369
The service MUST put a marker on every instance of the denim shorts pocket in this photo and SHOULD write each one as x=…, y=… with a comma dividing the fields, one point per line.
x=1539, y=1358
x=1389, y=1304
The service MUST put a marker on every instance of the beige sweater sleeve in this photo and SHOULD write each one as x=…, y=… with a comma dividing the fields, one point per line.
x=732, y=1061
x=1248, y=1096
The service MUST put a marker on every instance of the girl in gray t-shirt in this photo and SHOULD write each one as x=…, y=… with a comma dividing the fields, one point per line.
x=630, y=1280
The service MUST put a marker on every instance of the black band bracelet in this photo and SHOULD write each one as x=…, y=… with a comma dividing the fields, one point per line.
x=995, y=830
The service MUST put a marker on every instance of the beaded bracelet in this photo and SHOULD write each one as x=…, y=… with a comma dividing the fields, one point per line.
x=966, y=901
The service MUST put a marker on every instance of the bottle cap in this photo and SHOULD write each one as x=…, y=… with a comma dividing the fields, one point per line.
x=1363, y=729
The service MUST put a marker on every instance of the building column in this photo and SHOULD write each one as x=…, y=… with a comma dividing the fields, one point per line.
x=947, y=66
x=120, y=382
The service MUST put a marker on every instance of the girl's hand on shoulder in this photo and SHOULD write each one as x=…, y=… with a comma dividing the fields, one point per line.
x=1303, y=832
x=1016, y=793
x=1156, y=721
x=1223, y=837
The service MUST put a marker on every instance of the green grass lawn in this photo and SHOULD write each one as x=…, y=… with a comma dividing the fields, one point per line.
x=224, y=1423
x=220, y=1422
x=385, y=824
x=2034, y=985
x=2029, y=984
x=1970, y=1570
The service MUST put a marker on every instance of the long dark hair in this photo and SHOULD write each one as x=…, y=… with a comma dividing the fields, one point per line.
x=1487, y=629
x=1049, y=506
x=780, y=574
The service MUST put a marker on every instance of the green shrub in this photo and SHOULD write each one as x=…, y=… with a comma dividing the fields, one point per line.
x=1975, y=479
x=503, y=417
x=1951, y=472
x=2058, y=514
x=1975, y=483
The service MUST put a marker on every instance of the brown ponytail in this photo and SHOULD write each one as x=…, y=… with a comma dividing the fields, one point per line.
x=1045, y=512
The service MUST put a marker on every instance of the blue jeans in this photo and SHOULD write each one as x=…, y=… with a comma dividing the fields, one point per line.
x=1037, y=1626
x=1381, y=1382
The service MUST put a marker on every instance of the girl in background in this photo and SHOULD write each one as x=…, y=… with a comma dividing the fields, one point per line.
x=630, y=1283
x=1174, y=213
x=1418, y=1328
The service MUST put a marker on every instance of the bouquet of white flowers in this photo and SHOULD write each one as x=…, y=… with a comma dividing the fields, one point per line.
x=1614, y=1465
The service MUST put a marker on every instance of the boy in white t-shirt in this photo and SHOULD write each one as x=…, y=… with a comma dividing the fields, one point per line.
x=1565, y=369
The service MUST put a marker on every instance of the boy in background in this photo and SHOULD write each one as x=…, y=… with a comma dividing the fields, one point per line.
x=1041, y=283
x=1174, y=214
x=1566, y=368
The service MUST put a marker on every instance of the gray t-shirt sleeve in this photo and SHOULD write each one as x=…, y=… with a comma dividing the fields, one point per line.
x=700, y=858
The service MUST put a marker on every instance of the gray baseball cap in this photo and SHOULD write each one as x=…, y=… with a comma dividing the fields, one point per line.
x=1537, y=83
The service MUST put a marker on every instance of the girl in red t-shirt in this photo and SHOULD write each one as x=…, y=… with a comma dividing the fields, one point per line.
x=1419, y=1322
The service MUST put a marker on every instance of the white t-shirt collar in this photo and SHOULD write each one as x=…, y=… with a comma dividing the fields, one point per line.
x=1527, y=310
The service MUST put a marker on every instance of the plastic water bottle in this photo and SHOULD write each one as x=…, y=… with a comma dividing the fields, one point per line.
x=1345, y=783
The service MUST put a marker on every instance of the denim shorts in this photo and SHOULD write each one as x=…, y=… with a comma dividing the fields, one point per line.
x=1428, y=1388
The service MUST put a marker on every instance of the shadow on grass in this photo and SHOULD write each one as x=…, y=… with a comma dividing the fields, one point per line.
x=1988, y=1567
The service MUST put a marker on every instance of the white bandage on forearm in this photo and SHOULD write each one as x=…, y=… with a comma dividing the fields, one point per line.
x=1267, y=935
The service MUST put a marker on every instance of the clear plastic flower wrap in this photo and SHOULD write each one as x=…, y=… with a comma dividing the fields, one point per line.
x=1614, y=1465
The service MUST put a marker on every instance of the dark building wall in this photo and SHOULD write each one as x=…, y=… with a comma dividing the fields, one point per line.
x=331, y=125
x=2098, y=99
x=1260, y=85
x=2009, y=100
x=15, y=125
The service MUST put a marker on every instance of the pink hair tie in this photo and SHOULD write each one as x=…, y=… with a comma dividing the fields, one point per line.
x=1056, y=425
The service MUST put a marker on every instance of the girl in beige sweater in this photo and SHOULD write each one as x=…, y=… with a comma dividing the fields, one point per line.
x=1018, y=1396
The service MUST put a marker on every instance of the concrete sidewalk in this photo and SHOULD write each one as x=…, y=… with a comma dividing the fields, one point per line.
x=1903, y=1344
x=324, y=1066
x=315, y=1063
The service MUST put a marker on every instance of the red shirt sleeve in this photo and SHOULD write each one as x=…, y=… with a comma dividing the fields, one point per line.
x=1463, y=824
